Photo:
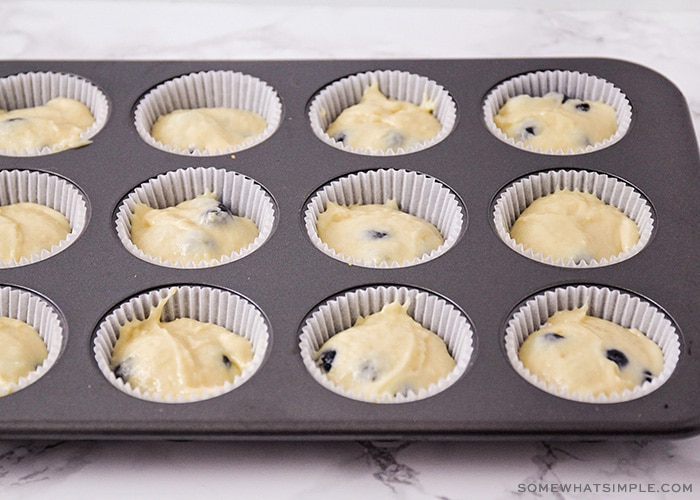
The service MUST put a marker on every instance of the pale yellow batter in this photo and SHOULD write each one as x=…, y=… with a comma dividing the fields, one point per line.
x=201, y=229
x=587, y=355
x=57, y=125
x=213, y=129
x=573, y=225
x=554, y=121
x=378, y=233
x=379, y=123
x=385, y=353
x=28, y=228
x=179, y=357
x=22, y=352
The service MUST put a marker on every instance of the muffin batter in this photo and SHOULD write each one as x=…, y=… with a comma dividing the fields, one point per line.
x=211, y=129
x=179, y=357
x=379, y=233
x=201, y=229
x=588, y=355
x=23, y=351
x=555, y=121
x=28, y=228
x=379, y=123
x=385, y=353
x=573, y=225
x=57, y=125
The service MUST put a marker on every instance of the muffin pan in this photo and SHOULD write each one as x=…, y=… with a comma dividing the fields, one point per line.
x=287, y=277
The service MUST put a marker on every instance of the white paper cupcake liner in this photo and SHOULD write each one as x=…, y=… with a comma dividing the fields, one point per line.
x=620, y=307
x=431, y=311
x=44, y=317
x=400, y=85
x=28, y=90
x=242, y=195
x=570, y=83
x=17, y=186
x=615, y=192
x=415, y=193
x=209, y=89
x=205, y=304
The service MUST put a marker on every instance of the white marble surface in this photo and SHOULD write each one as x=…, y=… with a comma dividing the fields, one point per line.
x=663, y=37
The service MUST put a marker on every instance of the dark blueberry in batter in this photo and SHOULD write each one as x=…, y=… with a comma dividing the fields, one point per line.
x=552, y=337
x=564, y=98
x=369, y=371
x=617, y=357
x=394, y=139
x=326, y=360
x=340, y=137
x=120, y=372
x=373, y=234
x=226, y=361
x=647, y=376
x=217, y=215
x=584, y=106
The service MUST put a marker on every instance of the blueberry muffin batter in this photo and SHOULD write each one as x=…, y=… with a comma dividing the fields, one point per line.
x=555, y=121
x=379, y=123
x=377, y=232
x=587, y=355
x=573, y=225
x=211, y=129
x=385, y=353
x=28, y=228
x=180, y=357
x=57, y=125
x=201, y=229
x=23, y=351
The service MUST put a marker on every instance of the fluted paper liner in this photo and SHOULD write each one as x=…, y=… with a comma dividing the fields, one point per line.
x=327, y=105
x=417, y=194
x=201, y=303
x=17, y=186
x=28, y=90
x=209, y=89
x=431, y=311
x=241, y=194
x=44, y=317
x=615, y=192
x=617, y=306
x=573, y=84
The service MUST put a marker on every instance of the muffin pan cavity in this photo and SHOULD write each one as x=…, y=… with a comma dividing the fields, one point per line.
x=31, y=89
x=416, y=194
x=287, y=292
x=241, y=196
x=332, y=100
x=511, y=202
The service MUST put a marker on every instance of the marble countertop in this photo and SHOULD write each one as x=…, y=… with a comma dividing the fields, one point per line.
x=660, y=38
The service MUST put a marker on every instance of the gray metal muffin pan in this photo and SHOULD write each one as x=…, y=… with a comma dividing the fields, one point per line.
x=288, y=276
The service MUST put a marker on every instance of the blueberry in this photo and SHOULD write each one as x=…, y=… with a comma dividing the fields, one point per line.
x=326, y=360
x=368, y=371
x=373, y=234
x=226, y=361
x=218, y=215
x=120, y=372
x=340, y=137
x=617, y=357
x=394, y=139
x=647, y=376
x=564, y=98
x=584, y=106
x=552, y=337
